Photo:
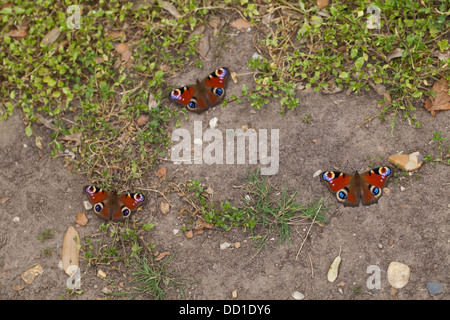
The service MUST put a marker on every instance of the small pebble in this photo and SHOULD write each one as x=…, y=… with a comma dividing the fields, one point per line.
x=107, y=290
x=101, y=274
x=87, y=205
x=234, y=294
x=317, y=173
x=224, y=245
x=435, y=288
x=213, y=123
x=16, y=219
x=298, y=296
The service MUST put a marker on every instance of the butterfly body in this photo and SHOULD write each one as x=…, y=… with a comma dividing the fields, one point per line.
x=113, y=206
x=204, y=94
x=352, y=189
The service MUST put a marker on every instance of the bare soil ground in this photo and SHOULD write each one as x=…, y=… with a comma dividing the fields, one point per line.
x=410, y=226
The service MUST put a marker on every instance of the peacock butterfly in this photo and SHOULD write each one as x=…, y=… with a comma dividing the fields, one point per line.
x=352, y=189
x=204, y=94
x=113, y=206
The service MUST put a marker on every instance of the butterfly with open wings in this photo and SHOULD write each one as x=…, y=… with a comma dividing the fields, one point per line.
x=352, y=189
x=204, y=94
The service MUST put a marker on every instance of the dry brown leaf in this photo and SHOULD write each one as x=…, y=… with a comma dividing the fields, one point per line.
x=20, y=33
x=70, y=251
x=30, y=274
x=334, y=268
x=142, y=120
x=234, y=77
x=152, y=103
x=51, y=36
x=18, y=287
x=428, y=107
x=203, y=46
x=82, y=219
x=200, y=224
x=165, y=208
x=443, y=56
x=241, y=24
x=396, y=53
x=74, y=137
x=441, y=101
x=322, y=3
x=117, y=36
x=215, y=23
x=197, y=31
x=198, y=231
x=161, y=173
x=162, y=255
x=170, y=8
x=3, y=200
x=378, y=87
x=189, y=234
x=125, y=53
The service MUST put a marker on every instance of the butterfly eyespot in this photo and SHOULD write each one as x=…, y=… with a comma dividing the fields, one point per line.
x=374, y=190
x=91, y=189
x=192, y=104
x=385, y=171
x=175, y=94
x=138, y=197
x=217, y=91
x=328, y=176
x=221, y=72
x=125, y=211
x=342, y=195
x=98, y=207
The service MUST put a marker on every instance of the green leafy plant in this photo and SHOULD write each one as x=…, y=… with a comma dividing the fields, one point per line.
x=264, y=210
x=443, y=153
x=153, y=278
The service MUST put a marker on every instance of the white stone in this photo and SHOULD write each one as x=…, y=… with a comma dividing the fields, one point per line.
x=87, y=205
x=213, y=123
x=317, y=173
x=298, y=296
x=398, y=274
x=224, y=245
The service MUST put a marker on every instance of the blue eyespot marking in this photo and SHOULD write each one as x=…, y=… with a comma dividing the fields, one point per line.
x=219, y=92
x=342, y=195
x=328, y=176
x=375, y=191
x=386, y=171
x=221, y=72
x=98, y=208
x=192, y=104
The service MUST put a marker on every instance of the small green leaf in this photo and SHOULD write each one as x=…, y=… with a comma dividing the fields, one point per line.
x=359, y=63
x=148, y=226
x=28, y=130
